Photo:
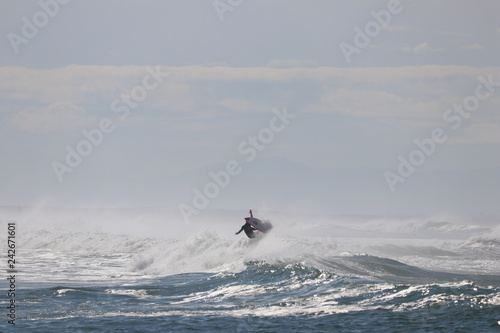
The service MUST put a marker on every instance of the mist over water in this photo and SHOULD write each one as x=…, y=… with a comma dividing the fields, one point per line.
x=293, y=235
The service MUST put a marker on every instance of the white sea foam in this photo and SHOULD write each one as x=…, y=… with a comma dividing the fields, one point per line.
x=79, y=250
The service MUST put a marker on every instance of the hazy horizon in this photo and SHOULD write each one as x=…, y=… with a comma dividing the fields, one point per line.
x=314, y=107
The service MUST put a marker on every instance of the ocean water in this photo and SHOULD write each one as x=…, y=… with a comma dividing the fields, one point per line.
x=367, y=276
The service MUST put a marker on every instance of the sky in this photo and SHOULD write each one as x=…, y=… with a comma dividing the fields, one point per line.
x=337, y=107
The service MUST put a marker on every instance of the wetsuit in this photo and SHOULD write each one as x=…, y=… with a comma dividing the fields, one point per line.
x=248, y=229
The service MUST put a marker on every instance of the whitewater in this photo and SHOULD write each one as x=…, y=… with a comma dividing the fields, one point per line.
x=79, y=273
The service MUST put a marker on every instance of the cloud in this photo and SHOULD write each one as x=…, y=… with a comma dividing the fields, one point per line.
x=452, y=33
x=378, y=91
x=245, y=105
x=374, y=103
x=421, y=48
x=79, y=83
x=54, y=117
x=73, y=84
x=289, y=63
x=482, y=133
x=475, y=46
x=171, y=95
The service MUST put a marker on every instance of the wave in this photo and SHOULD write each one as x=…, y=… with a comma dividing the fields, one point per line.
x=86, y=241
x=413, y=250
x=280, y=290
x=483, y=247
x=424, y=227
x=209, y=252
x=484, y=243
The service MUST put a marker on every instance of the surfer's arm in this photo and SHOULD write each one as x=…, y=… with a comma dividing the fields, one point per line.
x=237, y=233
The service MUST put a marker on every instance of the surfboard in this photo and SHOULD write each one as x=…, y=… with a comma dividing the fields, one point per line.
x=262, y=226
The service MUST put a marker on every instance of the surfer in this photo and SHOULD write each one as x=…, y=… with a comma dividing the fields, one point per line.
x=248, y=229
x=252, y=224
